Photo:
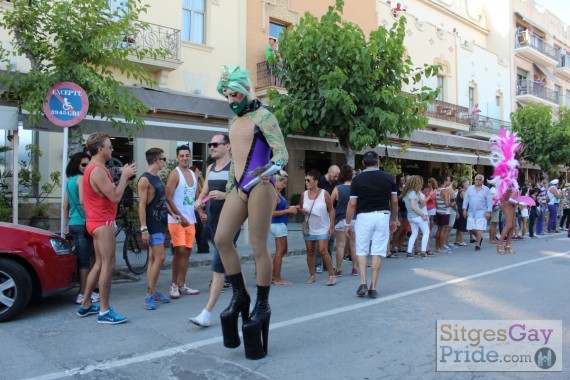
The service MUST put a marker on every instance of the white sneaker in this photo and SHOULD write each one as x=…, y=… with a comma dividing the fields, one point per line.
x=319, y=269
x=188, y=291
x=79, y=299
x=95, y=297
x=200, y=320
x=174, y=293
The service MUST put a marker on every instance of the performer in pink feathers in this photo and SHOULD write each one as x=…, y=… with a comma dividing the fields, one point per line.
x=503, y=150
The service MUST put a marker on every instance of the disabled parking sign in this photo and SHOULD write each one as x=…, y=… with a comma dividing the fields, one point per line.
x=66, y=104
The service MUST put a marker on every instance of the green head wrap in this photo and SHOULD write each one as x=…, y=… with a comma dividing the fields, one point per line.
x=234, y=78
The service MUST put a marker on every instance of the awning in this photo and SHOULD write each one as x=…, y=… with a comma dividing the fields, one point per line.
x=548, y=74
x=8, y=117
x=437, y=155
x=160, y=129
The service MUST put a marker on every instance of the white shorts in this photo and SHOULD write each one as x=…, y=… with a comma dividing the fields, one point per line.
x=278, y=229
x=372, y=233
x=431, y=212
x=340, y=225
x=452, y=216
x=479, y=224
x=524, y=212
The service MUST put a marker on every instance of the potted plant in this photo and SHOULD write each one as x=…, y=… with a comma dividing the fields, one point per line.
x=5, y=199
x=32, y=187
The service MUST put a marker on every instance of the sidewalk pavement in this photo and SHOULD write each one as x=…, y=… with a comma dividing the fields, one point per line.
x=296, y=246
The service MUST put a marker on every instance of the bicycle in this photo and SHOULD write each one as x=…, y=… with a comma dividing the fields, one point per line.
x=135, y=252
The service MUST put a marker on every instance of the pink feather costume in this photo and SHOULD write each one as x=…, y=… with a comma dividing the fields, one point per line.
x=505, y=176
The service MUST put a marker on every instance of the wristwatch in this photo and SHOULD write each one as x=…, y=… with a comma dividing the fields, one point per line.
x=144, y=228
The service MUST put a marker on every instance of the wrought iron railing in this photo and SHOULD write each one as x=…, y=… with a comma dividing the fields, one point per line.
x=447, y=111
x=156, y=37
x=531, y=87
x=487, y=124
x=527, y=38
x=270, y=75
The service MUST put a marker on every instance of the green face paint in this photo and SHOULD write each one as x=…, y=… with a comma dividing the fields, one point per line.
x=238, y=107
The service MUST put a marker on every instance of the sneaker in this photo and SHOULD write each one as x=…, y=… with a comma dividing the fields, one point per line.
x=111, y=318
x=362, y=289
x=372, y=293
x=174, y=293
x=338, y=273
x=79, y=299
x=199, y=320
x=159, y=297
x=355, y=272
x=410, y=255
x=319, y=269
x=188, y=291
x=347, y=258
x=85, y=311
x=95, y=297
x=149, y=303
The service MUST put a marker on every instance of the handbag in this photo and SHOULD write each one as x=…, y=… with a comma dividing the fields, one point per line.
x=305, y=227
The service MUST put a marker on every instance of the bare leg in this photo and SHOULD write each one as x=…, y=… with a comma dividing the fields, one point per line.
x=323, y=251
x=310, y=246
x=340, y=245
x=375, y=266
x=155, y=261
x=215, y=290
x=103, y=243
x=183, y=263
x=362, y=262
x=280, y=251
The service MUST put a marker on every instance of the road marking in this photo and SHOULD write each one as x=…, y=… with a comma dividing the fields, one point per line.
x=116, y=363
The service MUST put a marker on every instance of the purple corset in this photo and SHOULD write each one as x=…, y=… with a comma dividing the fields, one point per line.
x=259, y=155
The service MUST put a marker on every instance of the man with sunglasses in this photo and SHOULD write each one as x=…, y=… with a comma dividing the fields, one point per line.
x=214, y=195
x=181, y=189
x=152, y=216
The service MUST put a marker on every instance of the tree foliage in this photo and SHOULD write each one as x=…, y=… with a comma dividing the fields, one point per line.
x=339, y=83
x=81, y=41
x=546, y=141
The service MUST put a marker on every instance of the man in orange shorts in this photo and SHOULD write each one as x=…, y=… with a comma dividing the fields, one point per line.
x=100, y=199
x=181, y=191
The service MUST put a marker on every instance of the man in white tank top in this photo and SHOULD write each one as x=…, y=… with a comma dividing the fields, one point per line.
x=181, y=189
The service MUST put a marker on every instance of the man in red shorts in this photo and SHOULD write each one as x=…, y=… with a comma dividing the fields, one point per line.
x=100, y=199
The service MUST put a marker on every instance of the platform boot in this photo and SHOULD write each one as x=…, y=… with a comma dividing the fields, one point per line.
x=238, y=305
x=256, y=328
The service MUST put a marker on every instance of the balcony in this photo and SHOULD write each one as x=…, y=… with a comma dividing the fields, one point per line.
x=156, y=37
x=486, y=127
x=530, y=91
x=269, y=77
x=447, y=116
x=563, y=67
x=532, y=47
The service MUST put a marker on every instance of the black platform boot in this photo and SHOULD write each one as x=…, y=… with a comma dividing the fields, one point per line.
x=256, y=328
x=229, y=317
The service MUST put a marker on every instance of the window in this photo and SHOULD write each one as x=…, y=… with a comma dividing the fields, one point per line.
x=471, y=97
x=275, y=29
x=119, y=6
x=441, y=88
x=193, y=21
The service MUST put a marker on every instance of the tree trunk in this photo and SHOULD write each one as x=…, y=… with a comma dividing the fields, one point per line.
x=74, y=145
x=350, y=153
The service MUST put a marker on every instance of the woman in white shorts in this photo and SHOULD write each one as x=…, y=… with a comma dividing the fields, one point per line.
x=279, y=226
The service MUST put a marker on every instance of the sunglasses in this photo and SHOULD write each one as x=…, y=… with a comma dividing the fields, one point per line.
x=84, y=164
x=162, y=159
x=308, y=180
x=215, y=144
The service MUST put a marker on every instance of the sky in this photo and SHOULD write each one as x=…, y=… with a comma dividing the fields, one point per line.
x=561, y=8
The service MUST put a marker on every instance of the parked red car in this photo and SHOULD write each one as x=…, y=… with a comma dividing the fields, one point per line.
x=33, y=264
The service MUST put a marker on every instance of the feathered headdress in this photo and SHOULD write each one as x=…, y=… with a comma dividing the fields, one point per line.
x=503, y=150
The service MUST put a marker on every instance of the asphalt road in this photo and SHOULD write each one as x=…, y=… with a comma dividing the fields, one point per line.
x=316, y=331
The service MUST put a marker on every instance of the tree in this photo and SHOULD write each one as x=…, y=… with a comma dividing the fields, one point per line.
x=338, y=83
x=545, y=141
x=81, y=41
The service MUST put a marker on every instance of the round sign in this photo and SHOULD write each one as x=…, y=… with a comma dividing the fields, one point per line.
x=66, y=104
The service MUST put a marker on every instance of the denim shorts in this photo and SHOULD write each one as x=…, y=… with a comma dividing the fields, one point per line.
x=217, y=265
x=278, y=230
x=156, y=239
x=83, y=245
x=316, y=237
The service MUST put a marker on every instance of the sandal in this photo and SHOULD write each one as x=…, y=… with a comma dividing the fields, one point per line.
x=331, y=281
x=410, y=255
x=310, y=280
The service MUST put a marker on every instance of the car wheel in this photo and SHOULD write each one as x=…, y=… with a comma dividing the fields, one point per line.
x=15, y=289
